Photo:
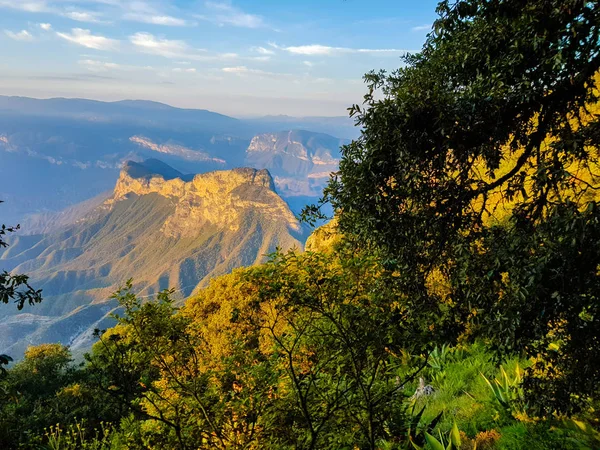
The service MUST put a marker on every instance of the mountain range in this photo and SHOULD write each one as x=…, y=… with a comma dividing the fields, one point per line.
x=163, y=228
x=57, y=153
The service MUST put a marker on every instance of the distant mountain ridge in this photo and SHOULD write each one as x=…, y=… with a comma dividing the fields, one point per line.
x=160, y=227
x=57, y=153
x=145, y=110
x=134, y=110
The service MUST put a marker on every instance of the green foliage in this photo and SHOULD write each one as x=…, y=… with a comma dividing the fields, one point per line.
x=303, y=352
x=76, y=437
x=29, y=392
x=338, y=312
x=474, y=178
x=417, y=430
x=466, y=221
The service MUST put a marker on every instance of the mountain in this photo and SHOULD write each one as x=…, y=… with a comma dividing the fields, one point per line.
x=57, y=153
x=51, y=163
x=129, y=111
x=159, y=227
x=301, y=161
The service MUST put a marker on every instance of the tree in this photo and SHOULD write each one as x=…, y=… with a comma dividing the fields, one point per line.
x=340, y=344
x=476, y=174
x=303, y=352
x=29, y=401
x=16, y=287
x=181, y=376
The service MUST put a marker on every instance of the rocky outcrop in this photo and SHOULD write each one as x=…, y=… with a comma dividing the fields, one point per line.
x=159, y=227
x=220, y=198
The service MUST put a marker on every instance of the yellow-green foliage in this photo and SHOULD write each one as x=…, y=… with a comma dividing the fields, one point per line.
x=325, y=238
x=226, y=315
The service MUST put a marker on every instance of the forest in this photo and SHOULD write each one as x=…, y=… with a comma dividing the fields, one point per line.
x=451, y=302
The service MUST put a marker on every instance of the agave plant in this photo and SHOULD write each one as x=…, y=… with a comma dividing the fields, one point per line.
x=451, y=441
x=407, y=434
x=507, y=390
x=439, y=357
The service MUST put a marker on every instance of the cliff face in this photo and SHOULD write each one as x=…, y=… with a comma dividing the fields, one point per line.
x=220, y=198
x=159, y=227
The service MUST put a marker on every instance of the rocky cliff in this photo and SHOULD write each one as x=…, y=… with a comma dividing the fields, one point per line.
x=220, y=198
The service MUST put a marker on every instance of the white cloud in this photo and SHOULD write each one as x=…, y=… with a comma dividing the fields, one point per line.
x=36, y=6
x=45, y=26
x=422, y=28
x=176, y=49
x=324, y=50
x=243, y=70
x=184, y=70
x=147, y=12
x=85, y=38
x=94, y=65
x=148, y=43
x=83, y=16
x=240, y=70
x=135, y=10
x=22, y=35
x=156, y=19
x=308, y=63
x=223, y=13
x=98, y=66
x=263, y=51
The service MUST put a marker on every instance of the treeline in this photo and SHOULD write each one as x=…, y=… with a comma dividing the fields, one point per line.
x=467, y=233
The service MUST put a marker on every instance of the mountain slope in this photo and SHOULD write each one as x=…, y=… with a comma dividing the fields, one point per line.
x=162, y=229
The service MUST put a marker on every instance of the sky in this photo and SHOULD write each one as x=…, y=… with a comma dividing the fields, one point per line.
x=243, y=58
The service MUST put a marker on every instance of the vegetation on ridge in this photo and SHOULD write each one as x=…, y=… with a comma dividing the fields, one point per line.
x=455, y=307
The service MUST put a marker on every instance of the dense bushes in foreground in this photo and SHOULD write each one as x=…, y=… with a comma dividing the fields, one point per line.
x=303, y=352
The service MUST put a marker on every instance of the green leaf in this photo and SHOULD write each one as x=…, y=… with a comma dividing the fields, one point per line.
x=433, y=442
x=455, y=436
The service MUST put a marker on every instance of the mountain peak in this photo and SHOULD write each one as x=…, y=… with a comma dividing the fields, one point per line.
x=258, y=177
x=150, y=168
x=153, y=175
x=221, y=198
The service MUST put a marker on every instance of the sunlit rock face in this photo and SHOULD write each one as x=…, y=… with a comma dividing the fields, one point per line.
x=220, y=198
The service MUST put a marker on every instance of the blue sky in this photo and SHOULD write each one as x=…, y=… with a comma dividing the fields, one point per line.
x=238, y=57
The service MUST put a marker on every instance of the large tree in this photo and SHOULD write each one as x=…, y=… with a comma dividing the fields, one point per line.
x=475, y=178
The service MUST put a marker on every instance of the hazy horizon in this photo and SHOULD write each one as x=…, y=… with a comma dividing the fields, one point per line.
x=241, y=58
x=125, y=99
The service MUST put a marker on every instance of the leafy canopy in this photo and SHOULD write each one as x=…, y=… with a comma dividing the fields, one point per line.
x=477, y=172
